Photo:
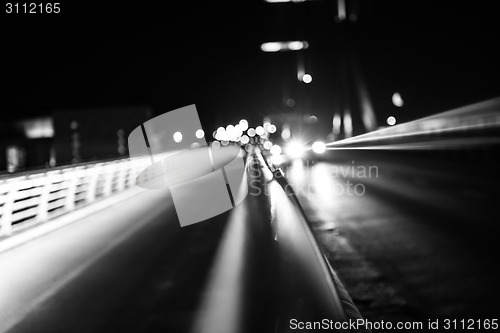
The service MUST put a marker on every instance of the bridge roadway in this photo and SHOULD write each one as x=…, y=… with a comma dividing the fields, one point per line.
x=413, y=238
x=129, y=267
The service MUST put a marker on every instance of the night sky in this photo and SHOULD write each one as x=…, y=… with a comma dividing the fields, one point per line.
x=208, y=53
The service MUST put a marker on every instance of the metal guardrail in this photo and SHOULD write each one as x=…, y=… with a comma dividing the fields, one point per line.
x=468, y=126
x=308, y=269
x=269, y=269
x=37, y=197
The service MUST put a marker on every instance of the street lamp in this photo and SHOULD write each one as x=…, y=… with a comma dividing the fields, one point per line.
x=281, y=1
x=295, y=45
x=307, y=78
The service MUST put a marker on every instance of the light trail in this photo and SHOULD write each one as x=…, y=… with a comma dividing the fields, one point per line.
x=427, y=145
x=468, y=120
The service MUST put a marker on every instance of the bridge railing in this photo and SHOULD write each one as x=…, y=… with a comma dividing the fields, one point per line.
x=40, y=196
x=468, y=126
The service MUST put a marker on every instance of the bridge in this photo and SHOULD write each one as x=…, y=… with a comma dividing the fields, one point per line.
x=259, y=166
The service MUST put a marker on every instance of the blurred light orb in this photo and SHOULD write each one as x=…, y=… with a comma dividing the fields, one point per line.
x=271, y=47
x=391, y=120
x=245, y=139
x=277, y=159
x=238, y=131
x=221, y=133
x=224, y=142
x=307, y=78
x=397, y=100
x=278, y=1
x=243, y=124
x=319, y=147
x=295, y=45
x=272, y=128
x=286, y=133
x=249, y=148
x=231, y=133
x=259, y=130
x=275, y=150
x=216, y=144
x=251, y=132
x=200, y=133
x=295, y=149
x=268, y=145
x=177, y=137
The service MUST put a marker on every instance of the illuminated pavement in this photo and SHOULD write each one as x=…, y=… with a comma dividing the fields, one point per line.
x=419, y=238
x=132, y=268
x=410, y=236
x=127, y=268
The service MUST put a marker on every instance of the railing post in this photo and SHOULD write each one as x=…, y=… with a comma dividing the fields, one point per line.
x=120, y=181
x=92, y=186
x=69, y=203
x=108, y=180
x=6, y=219
x=43, y=204
x=133, y=172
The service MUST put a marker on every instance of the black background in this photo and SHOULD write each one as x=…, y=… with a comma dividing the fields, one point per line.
x=438, y=55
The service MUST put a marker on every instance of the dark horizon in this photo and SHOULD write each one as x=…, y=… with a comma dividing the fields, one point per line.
x=438, y=56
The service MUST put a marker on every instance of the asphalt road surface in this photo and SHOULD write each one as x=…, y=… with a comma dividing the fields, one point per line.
x=412, y=235
x=129, y=268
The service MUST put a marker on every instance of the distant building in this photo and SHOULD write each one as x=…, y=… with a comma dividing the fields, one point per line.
x=95, y=134
x=68, y=136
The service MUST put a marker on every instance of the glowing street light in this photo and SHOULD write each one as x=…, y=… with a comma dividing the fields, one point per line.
x=200, y=133
x=307, y=78
x=275, y=150
x=295, y=149
x=244, y=139
x=319, y=147
x=295, y=45
x=286, y=133
x=282, y=1
x=177, y=137
x=271, y=47
x=260, y=130
x=391, y=120
x=267, y=145
x=397, y=100
x=243, y=124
